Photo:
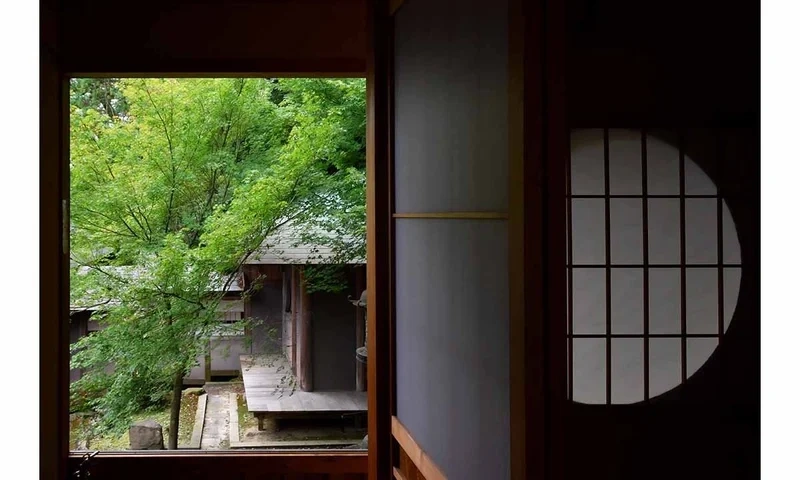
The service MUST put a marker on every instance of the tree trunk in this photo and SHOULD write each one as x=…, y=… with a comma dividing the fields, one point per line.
x=175, y=410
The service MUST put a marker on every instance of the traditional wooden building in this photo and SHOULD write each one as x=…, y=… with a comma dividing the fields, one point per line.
x=318, y=332
x=225, y=345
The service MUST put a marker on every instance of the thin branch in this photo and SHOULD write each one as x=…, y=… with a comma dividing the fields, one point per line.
x=99, y=228
x=147, y=222
x=138, y=222
x=163, y=122
x=179, y=297
x=171, y=156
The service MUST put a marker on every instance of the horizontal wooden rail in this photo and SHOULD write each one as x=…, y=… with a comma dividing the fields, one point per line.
x=421, y=460
x=398, y=475
x=138, y=464
x=456, y=215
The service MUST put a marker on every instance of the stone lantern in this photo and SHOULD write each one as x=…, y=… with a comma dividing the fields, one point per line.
x=361, y=351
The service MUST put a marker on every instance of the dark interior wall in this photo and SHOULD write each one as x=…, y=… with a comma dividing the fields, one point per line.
x=334, y=341
x=185, y=35
x=669, y=61
x=301, y=303
x=266, y=308
x=78, y=322
x=691, y=67
x=451, y=275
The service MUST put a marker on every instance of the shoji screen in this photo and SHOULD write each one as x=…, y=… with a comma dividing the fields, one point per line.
x=451, y=252
x=654, y=265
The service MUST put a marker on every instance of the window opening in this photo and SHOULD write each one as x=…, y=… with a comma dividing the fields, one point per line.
x=654, y=266
x=216, y=226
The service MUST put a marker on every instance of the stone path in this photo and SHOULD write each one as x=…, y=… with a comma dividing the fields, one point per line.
x=217, y=422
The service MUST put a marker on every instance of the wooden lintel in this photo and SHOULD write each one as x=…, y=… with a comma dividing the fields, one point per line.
x=455, y=215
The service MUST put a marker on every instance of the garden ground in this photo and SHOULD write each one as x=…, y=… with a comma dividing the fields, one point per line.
x=81, y=438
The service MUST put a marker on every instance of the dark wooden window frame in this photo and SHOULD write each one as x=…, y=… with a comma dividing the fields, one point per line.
x=56, y=461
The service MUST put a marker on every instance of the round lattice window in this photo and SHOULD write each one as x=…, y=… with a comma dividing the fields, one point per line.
x=654, y=266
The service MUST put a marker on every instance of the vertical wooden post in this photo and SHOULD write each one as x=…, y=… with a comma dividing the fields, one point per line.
x=286, y=321
x=248, y=312
x=293, y=284
x=305, y=372
x=207, y=374
x=361, y=369
x=53, y=249
x=380, y=254
x=538, y=150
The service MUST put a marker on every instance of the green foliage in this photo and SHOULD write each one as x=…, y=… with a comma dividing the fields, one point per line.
x=174, y=182
x=101, y=94
x=325, y=278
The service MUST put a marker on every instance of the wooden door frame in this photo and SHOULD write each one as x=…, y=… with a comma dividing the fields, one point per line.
x=380, y=252
x=539, y=150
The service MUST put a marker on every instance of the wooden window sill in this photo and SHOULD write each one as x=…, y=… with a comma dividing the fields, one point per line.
x=173, y=464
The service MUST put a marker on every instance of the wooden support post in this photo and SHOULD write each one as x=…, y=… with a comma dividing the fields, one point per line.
x=248, y=312
x=207, y=373
x=305, y=372
x=293, y=282
x=361, y=369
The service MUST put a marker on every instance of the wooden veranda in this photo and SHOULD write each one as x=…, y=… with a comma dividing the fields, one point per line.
x=271, y=392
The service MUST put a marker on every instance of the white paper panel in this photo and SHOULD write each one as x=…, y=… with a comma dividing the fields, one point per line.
x=588, y=231
x=698, y=350
x=587, y=169
x=701, y=231
x=696, y=181
x=627, y=300
x=732, y=278
x=452, y=301
x=664, y=230
x=589, y=374
x=627, y=370
x=626, y=231
x=665, y=365
x=702, y=300
x=589, y=300
x=663, y=175
x=625, y=162
x=665, y=300
x=451, y=109
x=731, y=252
